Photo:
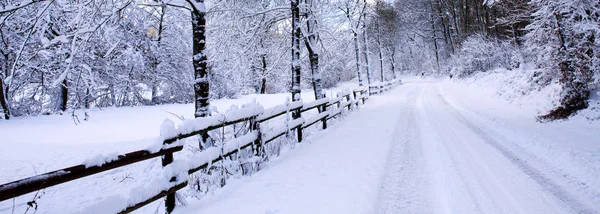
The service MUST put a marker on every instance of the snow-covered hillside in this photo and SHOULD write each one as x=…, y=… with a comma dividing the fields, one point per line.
x=526, y=88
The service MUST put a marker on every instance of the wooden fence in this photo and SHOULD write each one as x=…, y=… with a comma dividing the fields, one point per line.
x=328, y=108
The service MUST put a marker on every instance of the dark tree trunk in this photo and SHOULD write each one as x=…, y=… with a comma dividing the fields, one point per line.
x=313, y=54
x=435, y=45
x=88, y=98
x=466, y=19
x=356, y=47
x=3, y=103
x=263, y=87
x=199, y=61
x=201, y=84
x=64, y=95
x=296, y=33
x=393, y=62
x=358, y=64
x=367, y=53
x=455, y=19
x=382, y=70
x=3, y=88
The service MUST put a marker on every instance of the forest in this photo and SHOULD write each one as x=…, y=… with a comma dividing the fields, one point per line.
x=58, y=56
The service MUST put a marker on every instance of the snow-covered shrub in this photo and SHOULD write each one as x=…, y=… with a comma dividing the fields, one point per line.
x=563, y=38
x=481, y=54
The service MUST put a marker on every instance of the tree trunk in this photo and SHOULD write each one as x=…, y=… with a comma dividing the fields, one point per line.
x=263, y=87
x=455, y=19
x=466, y=19
x=358, y=64
x=380, y=53
x=357, y=50
x=3, y=100
x=313, y=53
x=155, y=60
x=4, y=88
x=445, y=21
x=199, y=61
x=393, y=62
x=201, y=85
x=88, y=98
x=367, y=54
x=296, y=33
x=435, y=45
x=296, y=69
x=64, y=95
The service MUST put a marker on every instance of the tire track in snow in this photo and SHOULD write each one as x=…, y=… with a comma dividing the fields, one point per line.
x=402, y=189
x=535, y=174
x=545, y=147
x=447, y=170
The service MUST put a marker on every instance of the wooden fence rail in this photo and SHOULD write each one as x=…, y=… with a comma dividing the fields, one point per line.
x=328, y=109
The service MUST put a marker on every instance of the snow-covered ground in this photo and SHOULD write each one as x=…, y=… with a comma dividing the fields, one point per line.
x=35, y=145
x=449, y=148
x=428, y=146
x=525, y=88
x=336, y=171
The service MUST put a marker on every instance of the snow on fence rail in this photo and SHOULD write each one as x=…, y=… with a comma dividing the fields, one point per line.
x=381, y=87
x=171, y=142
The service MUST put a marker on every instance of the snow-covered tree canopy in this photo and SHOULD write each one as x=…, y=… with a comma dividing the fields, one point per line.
x=59, y=54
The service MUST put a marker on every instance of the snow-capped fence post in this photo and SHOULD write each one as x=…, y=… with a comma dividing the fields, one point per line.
x=255, y=126
x=170, y=198
x=299, y=130
x=349, y=100
x=324, y=109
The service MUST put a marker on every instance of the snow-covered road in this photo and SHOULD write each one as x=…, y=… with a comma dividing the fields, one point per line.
x=453, y=156
x=427, y=146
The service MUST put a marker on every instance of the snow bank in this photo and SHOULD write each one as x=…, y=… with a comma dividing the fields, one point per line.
x=526, y=88
x=520, y=87
x=116, y=203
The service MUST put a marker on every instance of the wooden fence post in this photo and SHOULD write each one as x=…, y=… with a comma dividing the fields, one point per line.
x=364, y=99
x=355, y=98
x=255, y=126
x=170, y=198
x=295, y=115
x=325, y=118
x=348, y=100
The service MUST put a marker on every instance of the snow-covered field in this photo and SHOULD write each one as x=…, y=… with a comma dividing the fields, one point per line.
x=35, y=145
x=428, y=146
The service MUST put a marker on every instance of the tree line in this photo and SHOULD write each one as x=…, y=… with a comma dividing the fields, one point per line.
x=60, y=55
x=463, y=37
x=65, y=55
